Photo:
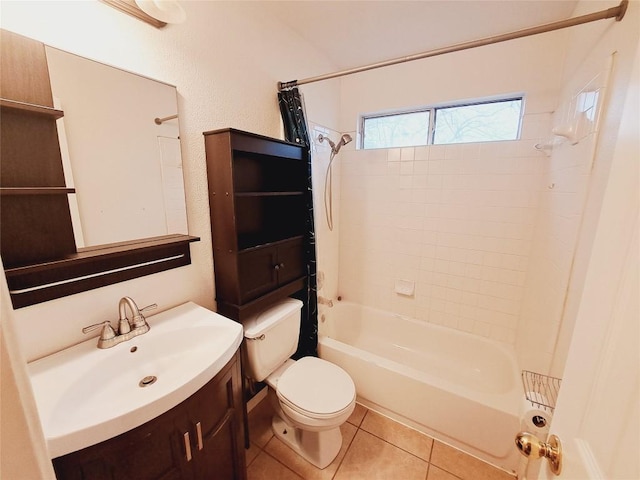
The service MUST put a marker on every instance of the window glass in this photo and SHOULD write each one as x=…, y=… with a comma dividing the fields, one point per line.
x=398, y=130
x=478, y=122
x=483, y=122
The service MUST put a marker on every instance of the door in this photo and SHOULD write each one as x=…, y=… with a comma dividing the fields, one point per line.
x=597, y=416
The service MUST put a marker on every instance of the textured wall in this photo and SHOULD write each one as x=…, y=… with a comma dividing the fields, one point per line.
x=225, y=61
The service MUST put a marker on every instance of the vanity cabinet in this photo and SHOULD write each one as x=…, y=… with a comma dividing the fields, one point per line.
x=257, y=199
x=201, y=438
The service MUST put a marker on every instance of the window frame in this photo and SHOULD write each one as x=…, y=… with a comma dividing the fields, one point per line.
x=433, y=112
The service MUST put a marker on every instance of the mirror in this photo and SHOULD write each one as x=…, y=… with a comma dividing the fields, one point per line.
x=125, y=166
x=112, y=164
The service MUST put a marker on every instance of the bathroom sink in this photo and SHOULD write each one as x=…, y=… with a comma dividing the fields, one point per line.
x=86, y=395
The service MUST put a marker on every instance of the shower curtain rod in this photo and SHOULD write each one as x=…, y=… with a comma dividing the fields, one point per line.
x=617, y=12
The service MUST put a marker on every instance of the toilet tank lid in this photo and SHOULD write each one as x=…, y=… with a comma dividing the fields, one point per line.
x=260, y=323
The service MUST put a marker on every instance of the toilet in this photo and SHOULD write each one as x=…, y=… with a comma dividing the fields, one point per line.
x=311, y=397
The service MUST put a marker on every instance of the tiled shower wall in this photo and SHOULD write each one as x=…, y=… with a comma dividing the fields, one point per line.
x=454, y=222
x=561, y=243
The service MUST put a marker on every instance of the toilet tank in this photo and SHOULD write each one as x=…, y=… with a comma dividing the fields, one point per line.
x=271, y=337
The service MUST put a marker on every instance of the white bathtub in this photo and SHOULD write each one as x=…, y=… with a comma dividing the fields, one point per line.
x=459, y=388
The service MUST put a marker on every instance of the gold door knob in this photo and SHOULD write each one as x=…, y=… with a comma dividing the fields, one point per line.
x=531, y=446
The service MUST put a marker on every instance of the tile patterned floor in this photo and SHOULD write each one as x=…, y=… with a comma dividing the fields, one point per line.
x=373, y=447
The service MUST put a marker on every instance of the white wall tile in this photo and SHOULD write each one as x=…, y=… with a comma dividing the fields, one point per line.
x=458, y=219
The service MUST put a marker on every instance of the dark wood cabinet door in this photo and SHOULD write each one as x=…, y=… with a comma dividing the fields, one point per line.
x=151, y=451
x=290, y=261
x=215, y=414
x=257, y=272
x=217, y=459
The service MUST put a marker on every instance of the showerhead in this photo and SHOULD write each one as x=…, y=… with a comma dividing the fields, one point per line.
x=346, y=138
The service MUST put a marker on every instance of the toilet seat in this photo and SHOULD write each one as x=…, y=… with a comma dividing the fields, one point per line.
x=316, y=388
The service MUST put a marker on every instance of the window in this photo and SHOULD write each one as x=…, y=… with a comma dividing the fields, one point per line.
x=476, y=122
x=398, y=130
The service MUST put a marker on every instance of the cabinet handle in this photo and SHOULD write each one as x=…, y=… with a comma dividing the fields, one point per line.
x=276, y=267
x=199, y=435
x=282, y=265
x=187, y=446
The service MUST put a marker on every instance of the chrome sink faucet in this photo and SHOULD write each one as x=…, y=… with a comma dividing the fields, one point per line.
x=138, y=322
x=126, y=330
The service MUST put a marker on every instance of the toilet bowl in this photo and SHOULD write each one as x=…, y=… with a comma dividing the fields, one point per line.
x=311, y=397
x=316, y=394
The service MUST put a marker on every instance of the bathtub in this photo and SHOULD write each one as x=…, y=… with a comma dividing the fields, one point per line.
x=456, y=387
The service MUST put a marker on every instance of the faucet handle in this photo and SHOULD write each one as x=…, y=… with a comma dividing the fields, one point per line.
x=153, y=306
x=107, y=330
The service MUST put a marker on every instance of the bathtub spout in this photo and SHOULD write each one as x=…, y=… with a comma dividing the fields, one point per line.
x=325, y=301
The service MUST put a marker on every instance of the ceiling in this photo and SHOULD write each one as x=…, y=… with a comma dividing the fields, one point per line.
x=357, y=33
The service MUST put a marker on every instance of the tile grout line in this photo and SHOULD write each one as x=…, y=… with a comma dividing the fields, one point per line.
x=350, y=443
x=359, y=427
x=433, y=440
x=346, y=452
x=278, y=460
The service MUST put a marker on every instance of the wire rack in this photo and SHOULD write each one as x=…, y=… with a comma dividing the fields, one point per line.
x=541, y=390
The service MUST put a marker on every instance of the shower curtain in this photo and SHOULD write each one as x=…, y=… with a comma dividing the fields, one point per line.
x=295, y=126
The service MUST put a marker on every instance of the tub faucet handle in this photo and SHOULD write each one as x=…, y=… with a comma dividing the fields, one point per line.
x=325, y=301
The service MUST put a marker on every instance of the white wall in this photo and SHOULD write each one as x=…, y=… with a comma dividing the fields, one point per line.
x=456, y=220
x=225, y=60
x=327, y=241
x=493, y=235
x=530, y=65
x=602, y=371
x=599, y=58
x=566, y=177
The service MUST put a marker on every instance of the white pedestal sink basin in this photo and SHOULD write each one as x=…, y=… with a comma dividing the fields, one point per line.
x=86, y=395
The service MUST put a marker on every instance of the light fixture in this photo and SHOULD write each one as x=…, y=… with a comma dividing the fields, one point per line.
x=154, y=12
x=168, y=11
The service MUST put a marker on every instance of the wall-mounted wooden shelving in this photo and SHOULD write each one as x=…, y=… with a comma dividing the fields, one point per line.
x=256, y=195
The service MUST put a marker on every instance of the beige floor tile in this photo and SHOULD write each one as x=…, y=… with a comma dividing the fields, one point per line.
x=357, y=415
x=295, y=462
x=370, y=458
x=251, y=453
x=260, y=423
x=436, y=473
x=401, y=436
x=465, y=466
x=265, y=467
